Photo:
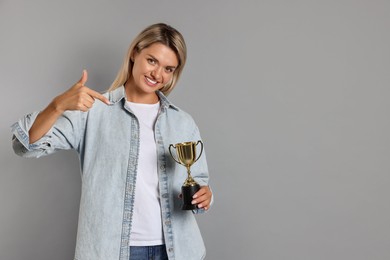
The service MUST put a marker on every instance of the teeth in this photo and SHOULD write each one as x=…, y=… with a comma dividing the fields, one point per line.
x=151, y=81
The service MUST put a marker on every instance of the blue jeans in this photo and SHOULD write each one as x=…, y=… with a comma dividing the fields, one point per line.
x=148, y=253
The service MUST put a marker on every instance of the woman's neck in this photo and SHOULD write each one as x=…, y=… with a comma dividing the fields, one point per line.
x=135, y=96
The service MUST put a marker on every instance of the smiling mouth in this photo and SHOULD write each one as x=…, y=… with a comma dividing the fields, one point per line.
x=150, y=81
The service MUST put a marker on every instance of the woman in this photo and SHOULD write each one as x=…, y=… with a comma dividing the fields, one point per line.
x=130, y=200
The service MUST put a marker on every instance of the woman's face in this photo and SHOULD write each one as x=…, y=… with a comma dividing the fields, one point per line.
x=152, y=69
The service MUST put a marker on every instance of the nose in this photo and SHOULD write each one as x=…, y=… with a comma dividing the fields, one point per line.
x=157, y=72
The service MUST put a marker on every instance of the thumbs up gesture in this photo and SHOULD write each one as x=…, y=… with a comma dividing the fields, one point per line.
x=78, y=97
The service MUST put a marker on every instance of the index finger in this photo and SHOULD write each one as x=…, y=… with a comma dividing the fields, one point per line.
x=99, y=96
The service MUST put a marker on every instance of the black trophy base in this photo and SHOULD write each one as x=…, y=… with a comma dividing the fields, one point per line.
x=188, y=192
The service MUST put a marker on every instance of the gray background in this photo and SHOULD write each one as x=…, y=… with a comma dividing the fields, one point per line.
x=292, y=98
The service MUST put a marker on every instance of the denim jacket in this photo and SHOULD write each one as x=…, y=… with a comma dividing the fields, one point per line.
x=107, y=141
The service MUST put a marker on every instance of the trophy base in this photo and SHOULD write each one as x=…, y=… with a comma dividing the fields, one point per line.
x=188, y=192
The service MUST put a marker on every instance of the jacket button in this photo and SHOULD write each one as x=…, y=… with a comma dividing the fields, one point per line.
x=165, y=195
x=162, y=167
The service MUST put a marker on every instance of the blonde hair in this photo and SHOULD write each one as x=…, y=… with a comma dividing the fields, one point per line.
x=156, y=33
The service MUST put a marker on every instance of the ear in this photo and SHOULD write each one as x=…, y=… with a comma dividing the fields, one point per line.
x=133, y=55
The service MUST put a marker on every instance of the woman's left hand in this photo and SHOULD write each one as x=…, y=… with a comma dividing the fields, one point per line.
x=203, y=198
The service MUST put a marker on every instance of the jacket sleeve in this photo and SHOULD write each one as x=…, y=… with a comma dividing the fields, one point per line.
x=200, y=168
x=64, y=135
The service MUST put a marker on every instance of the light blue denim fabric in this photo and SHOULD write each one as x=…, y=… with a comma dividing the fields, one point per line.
x=107, y=141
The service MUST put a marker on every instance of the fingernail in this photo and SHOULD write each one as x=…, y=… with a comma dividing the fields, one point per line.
x=193, y=202
x=195, y=196
x=200, y=206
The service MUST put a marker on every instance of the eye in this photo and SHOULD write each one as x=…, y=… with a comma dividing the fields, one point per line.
x=169, y=69
x=151, y=61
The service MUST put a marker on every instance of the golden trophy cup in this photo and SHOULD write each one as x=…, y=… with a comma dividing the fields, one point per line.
x=186, y=154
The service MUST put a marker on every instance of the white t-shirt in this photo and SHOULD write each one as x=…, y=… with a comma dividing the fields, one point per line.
x=146, y=224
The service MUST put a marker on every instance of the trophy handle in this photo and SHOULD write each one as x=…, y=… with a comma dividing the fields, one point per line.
x=201, y=149
x=173, y=157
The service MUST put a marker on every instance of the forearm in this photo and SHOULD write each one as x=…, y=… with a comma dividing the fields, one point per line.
x=44, y=122
x=78, y=97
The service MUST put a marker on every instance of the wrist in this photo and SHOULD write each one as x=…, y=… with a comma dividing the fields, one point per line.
x=55, y=107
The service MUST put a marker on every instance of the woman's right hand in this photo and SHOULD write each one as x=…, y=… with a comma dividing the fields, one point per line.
x=78, y=97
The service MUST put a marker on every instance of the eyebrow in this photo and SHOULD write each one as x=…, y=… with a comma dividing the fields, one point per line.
x=171, y=67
